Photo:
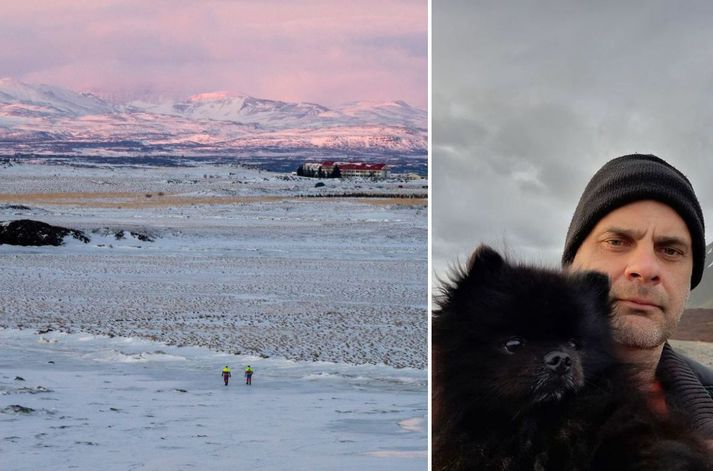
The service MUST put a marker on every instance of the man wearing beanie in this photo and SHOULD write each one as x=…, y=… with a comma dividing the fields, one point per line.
x=639, y=221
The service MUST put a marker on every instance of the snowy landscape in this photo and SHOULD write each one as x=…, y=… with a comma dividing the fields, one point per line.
x=119, y=341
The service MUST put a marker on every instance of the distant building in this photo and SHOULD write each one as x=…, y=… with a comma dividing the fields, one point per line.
x=327, y=167
x=360, y=169
x=331, y=169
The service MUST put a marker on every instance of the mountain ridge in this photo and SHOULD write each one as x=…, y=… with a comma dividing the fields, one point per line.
x=44, y=119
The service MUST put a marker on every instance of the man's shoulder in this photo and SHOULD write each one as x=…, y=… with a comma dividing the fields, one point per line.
x=702, y=372
x=683, y=367
x=689, y=387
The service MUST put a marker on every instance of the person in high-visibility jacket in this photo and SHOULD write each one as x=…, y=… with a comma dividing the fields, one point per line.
x=248, y=375
x=226, y=374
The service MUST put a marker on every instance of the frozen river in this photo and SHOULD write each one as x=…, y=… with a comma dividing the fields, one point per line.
x=129, y=404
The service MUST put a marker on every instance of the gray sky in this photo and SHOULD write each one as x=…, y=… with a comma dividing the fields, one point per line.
x=531, y=97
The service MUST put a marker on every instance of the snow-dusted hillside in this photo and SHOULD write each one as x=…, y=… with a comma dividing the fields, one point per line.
x=222, y=106
x=22, y=100
x=44, y=119
x=386, y=113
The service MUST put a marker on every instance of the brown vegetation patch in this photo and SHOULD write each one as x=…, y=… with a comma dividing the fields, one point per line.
x=160, y=199
x=395, y=201
x=129, y=200
x=696, y=324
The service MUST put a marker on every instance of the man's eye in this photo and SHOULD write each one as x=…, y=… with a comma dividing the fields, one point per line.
x=514, y=344
x=616, y=243
x=672, y=252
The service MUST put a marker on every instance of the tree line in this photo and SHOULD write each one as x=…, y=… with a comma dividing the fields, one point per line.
x=307, y=172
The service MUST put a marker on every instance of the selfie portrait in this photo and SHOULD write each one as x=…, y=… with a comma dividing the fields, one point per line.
x=572, y=307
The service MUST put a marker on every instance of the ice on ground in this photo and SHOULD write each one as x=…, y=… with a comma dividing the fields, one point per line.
x=397, y=454
x=156, y=415
x=116, y=356
x=415, y=424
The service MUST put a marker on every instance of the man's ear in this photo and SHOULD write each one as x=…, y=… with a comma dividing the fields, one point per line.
x=484, y=262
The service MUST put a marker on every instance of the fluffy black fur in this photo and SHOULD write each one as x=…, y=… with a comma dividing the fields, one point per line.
x=524, y=378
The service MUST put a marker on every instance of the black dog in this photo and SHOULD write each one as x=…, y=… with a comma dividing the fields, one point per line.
x=525, y=378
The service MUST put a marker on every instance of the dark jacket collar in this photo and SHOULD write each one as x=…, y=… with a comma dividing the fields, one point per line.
x=689, y=387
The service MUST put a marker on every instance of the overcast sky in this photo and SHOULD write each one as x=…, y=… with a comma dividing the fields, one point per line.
x=308, y=50
x=530, y=98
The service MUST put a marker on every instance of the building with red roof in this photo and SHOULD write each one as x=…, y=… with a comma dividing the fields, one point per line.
x=360, y=169
x=326, y=169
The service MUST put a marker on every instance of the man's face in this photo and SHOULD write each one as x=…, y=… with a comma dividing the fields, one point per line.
x=645, y=248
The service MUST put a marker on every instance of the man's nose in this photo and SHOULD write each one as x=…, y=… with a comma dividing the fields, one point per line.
x=643, y=265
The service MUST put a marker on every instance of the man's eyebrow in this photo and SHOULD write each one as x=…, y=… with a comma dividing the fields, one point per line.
x=660, y=240
x=672, y=240
x=632, y=233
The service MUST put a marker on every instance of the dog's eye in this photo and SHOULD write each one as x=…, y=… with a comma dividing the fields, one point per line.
x=574, y=344
x=514, y=344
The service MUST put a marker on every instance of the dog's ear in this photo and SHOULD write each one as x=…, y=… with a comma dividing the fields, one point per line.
x=597, y=281
x=595, y=285
x=485, y=262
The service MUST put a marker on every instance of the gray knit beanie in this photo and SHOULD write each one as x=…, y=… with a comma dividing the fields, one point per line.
x=632, y=178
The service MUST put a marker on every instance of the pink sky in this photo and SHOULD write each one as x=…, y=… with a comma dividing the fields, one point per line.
x=323, y=51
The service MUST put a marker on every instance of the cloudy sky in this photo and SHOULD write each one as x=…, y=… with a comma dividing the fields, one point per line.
x=309, y=50
x=531, y=97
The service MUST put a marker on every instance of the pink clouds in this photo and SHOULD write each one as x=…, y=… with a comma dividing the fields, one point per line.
x=318, y=50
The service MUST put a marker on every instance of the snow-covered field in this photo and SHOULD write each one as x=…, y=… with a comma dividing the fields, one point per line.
x=302, y=278
x=326, y=297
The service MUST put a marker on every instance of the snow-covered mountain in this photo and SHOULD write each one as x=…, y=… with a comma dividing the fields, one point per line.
x=19, y=99
x=221, y=106
x=389, y=112
x=47, y=119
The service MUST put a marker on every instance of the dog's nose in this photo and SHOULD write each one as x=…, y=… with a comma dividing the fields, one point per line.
x=559, y=362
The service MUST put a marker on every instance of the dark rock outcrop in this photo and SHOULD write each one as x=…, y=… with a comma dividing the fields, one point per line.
x=33, y=233
x=142, y=237
x=119, y=235
x=17, y=409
